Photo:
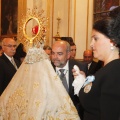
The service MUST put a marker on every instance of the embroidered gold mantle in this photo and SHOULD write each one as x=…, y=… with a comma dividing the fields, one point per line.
x=36, y=93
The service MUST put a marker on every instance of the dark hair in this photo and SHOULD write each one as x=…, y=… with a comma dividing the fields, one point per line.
x=68, y=39
x=72, y=43
x=47, y=47
x=114, y=12
x=110, y=27
x=20, y=52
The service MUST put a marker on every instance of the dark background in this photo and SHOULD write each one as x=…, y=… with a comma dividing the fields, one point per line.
x=9, y=15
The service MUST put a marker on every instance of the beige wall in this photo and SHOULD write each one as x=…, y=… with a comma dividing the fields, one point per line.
x=76, y=20
x=83, y=25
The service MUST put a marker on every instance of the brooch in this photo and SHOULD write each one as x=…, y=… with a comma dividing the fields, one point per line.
x=88, y=83
x=87, y=88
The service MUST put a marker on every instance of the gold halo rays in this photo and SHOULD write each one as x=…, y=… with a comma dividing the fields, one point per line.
x=41, y=21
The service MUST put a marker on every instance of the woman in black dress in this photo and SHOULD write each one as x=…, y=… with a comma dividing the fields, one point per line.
x=100, y=98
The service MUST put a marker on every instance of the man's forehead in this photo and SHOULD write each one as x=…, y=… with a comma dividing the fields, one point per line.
x=87, y=54
x=10, y=40
x=58, y=48
x=57, y=51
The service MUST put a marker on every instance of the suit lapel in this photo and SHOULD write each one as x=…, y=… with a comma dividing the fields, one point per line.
x=8, y=62
x=70, y=76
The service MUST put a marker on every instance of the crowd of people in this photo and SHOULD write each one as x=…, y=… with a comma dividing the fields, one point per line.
x=99, y=98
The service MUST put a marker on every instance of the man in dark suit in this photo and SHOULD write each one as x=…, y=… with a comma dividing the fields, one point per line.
x=7, y=68
x=92, y=65
x=61, y=60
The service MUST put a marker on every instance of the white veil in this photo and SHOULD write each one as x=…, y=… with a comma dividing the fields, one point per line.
x=36, y=92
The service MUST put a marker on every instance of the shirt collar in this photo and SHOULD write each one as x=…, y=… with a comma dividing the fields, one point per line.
x=8, y=56
x=89, y=65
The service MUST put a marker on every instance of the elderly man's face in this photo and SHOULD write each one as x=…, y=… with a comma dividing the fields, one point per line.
x=9, y=46
x=88, y=56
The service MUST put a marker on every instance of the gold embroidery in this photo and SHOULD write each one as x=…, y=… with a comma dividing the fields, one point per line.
x=37, y=103
x=55, y=77
x=36, y=84
x=18, y=105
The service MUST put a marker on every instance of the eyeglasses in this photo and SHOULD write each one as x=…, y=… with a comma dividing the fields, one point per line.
x=10, y=46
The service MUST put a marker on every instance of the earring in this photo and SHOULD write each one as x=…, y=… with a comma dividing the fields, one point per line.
x=111, y=46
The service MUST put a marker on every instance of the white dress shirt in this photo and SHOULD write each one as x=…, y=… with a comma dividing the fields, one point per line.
x=66, y=72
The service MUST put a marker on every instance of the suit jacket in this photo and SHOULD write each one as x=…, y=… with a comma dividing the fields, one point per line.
x=94, y=67
x=7, y=71
x=83, y=67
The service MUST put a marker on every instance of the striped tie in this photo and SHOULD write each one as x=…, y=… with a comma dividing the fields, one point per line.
x=63, y=78
x=13, y=62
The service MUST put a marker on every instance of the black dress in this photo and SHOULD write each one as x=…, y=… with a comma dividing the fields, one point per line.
x=102, y=102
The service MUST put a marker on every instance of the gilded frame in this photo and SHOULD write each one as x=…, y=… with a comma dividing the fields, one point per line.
x=102, y=8
x=22, y=5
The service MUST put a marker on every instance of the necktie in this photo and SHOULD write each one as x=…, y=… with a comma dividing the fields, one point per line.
x=63, y=78
x=14, y=64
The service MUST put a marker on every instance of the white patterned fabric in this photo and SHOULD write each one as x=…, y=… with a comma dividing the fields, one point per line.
x=36, y=92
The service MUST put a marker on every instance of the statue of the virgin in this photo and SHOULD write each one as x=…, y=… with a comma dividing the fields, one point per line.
x=36, y=92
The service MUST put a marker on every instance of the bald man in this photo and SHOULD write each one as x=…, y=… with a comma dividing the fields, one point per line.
x=61, y=60
x=92, y=65
x=7, y=67
x=88, y=56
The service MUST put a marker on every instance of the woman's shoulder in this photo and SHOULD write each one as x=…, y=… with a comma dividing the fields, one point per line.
x=109, y=72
